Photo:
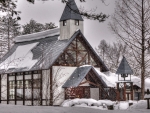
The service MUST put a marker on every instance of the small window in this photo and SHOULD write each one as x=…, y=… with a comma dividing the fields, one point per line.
x=64, y=23
x=77, y=22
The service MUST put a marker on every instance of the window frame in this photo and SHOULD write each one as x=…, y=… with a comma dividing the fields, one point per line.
x=77, y=22
x=64, y=22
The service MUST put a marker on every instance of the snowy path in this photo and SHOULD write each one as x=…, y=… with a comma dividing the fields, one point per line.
x=48, y=109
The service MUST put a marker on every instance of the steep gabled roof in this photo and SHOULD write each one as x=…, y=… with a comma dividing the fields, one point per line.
x=71, y=11
x=124, y=67
x=40, y=53
x=79, y=74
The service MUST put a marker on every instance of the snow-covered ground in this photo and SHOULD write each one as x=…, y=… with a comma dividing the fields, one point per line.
x=138, y=107
x=104, y=104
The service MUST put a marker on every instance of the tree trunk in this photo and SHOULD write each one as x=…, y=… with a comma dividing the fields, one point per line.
x=143, y=55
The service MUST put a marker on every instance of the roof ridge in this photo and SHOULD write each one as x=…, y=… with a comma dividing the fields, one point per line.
x=39, y=32
x=37, y=35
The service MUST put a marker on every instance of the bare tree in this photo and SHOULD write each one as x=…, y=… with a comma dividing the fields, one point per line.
x=111, y=53
x=131, y=24
x=9, y=29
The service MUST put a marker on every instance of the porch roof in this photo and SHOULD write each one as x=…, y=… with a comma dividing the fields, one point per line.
x=79, y=74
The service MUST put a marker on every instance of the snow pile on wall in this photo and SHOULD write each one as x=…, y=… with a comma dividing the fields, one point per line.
x=21, y=58
x=111, y=78
x=38, y=35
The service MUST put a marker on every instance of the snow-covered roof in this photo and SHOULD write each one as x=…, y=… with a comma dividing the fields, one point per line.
x=21, y=58
x=39, y=53
x=147, y=96
x=38, y=35
x=77, y=77
x=124, y=67
x=79, y=74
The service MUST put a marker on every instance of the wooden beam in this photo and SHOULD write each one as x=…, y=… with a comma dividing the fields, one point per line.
x=89, y=58
x=23, y=89
x=32, y=91
x=15, y=88
x=83, y=58
x=76, y=53
x=51, y=86
x=100, y=93
x=76, y=50
x=7, y=89
x=0, y=87
x=70, y=56
x=124, y=93
x=131, y=90
x=89, y=83
x=118, y=92
x=41, y=90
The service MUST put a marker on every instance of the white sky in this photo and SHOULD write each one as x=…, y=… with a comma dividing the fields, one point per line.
x=51, y=11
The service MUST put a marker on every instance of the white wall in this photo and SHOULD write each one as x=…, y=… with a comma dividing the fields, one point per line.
x=4, y=87
x=46, y=84
x=61, y=74
x=94, y=93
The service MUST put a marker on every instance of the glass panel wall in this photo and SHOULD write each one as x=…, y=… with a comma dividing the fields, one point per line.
x=19, y=92
x=11, y=87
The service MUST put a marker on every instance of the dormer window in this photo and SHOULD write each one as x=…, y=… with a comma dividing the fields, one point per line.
x=64, y=23
x=77, y=22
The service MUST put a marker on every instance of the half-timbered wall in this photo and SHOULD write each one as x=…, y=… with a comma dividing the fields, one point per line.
x=76, y=54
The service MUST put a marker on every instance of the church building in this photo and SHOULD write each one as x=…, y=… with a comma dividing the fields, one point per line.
x=47, y=67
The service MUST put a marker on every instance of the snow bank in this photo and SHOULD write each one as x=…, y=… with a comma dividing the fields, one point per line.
x=103, y=104
x=107, y=102
x=123, y=105
x=77, y=101
x=86, y=102
x=21, y=58
x=142, y=104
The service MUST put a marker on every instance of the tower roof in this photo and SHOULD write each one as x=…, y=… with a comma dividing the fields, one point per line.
x=124, y=67
x=71, y=11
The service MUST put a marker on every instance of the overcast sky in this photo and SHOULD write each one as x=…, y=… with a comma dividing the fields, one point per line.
x=51, y=11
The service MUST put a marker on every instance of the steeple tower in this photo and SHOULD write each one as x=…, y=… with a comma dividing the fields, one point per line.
x=70, y=21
